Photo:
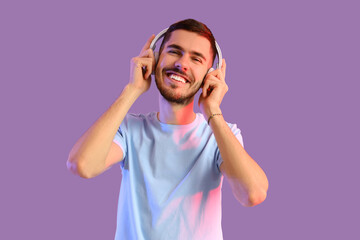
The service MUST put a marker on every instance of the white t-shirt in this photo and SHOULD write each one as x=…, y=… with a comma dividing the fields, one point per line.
x=171, y=180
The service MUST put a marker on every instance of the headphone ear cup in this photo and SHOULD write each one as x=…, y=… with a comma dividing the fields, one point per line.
x=156, y=56
x=210, y=70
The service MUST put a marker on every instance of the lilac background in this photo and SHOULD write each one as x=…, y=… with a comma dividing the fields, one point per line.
x=293, y=73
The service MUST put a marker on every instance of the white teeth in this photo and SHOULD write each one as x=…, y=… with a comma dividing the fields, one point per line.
x=177, y=78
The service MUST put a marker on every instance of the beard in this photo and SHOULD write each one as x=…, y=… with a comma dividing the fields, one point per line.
x=171, y=95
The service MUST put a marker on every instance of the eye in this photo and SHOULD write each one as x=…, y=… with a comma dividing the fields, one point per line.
x=172, y=51
x=197, y=59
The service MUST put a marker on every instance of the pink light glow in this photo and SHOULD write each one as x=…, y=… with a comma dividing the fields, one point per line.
x=204, y=209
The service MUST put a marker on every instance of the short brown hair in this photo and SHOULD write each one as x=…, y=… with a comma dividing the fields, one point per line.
x=192, y=26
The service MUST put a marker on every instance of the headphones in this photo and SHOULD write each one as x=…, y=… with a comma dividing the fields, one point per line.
x=162, y=33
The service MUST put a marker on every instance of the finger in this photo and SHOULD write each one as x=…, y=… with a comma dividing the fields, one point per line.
x=149, y=53
x=209, y=84
x=218, y=74
x=141, y=62
x=205, y=86
x=223, y=67
x=147, y=44
x=205, y=89
x=145, y=64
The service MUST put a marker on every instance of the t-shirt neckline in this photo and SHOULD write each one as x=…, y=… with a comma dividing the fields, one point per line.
x=189, y=125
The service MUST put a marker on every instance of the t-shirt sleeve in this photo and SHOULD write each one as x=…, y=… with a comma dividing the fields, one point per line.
x=120, y=138
x=237, y=133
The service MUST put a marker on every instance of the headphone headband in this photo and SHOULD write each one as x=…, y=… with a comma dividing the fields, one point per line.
x=162, y=33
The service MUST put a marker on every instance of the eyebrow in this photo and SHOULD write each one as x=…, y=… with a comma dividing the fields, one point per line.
x=181, y=49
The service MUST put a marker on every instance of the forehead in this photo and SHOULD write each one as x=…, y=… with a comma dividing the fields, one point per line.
x=190, y=41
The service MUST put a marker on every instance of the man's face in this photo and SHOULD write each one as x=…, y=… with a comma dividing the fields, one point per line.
x=182, y=66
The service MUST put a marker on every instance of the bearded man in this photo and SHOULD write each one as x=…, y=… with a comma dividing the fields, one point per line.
x=173, y=160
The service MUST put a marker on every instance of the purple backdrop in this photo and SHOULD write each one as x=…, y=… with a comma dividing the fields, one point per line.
x=293, y=73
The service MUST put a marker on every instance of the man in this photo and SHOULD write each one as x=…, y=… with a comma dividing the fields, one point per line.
x=173, y=160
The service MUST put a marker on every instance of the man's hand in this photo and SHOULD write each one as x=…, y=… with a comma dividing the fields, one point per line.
x=141, y=68
x=213, y=91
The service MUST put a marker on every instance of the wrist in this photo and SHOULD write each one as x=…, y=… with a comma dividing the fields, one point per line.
x=130, y=93
x=214, y=116
x=212, y=110
x=134, y=90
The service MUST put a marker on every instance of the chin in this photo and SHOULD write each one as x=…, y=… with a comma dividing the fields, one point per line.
x=172, y=94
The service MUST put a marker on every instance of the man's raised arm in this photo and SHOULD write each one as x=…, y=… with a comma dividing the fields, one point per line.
x=248, y=181
x=95, y=151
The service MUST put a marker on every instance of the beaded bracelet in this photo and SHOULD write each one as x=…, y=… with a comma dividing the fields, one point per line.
x=213, y=115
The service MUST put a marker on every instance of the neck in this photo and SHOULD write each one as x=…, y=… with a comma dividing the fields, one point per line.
x=173, y=113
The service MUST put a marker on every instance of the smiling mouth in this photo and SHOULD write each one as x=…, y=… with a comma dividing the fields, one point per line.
x=177, y=77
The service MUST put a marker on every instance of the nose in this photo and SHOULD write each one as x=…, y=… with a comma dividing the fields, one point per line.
x=182, y=63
